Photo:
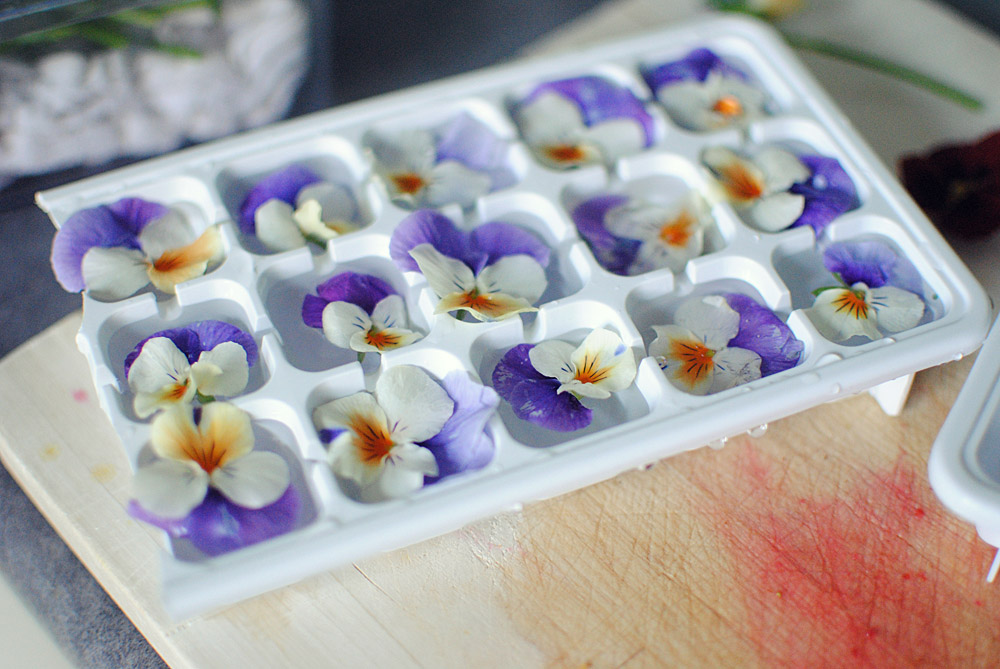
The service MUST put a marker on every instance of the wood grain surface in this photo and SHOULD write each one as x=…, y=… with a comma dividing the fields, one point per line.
x=818, y=543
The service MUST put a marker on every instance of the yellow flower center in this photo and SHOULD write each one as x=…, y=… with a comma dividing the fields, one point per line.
x=678, y=231
x=381, y=339
x=728, y=105
x=741, y=184
x=696, y=360
x=590, y=371
x=852, y=303
x=565, y=153
x=372, y=440
x=408, y=182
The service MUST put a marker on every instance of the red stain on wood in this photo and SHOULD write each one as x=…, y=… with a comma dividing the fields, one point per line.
x=866, y=578
x=80, y=395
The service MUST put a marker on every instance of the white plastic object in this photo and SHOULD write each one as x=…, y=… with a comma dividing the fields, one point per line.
x=649, y=421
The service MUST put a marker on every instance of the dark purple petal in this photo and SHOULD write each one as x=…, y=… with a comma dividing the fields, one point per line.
x=614, y=253
x=106, y=226
x=600, y=100
x=364, y=290
x=497, y=240
x=426, y=226
x=462, y=444
x=218, y=526
x=534, y=397
x=696, y=66
x=192, y=340
x=282, y=185
x=469, y=141
x=829, y=192
x=874, y=263
x=762, y=332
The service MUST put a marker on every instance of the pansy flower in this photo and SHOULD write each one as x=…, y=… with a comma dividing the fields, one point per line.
x=359, y=312
x=202, y=360
x=583, y=120
x=493, y=272
x=112, y=251
x=544, y=383
x=390, y=442
x=718, y=342
x=292, y=206
x=776, y=189
x=632, y=236
x=879, y=292
x=211, y=448
x=704, y=92
x=455, y=163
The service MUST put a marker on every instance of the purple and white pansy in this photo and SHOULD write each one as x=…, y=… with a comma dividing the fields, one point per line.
x=544, y=383
x=411, y=431
x=776, y=189
x=703, y=91
x=209, y=484
x=454, y=163
x=631, y=236
x=360, y=312
x=112, y=251
x=293, y=206
x=717, y=342
x=494, y=271
x=199, y=361
x=879, y=292
x=583, y=120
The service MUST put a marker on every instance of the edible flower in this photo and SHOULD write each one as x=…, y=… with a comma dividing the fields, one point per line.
x=776, y=189
x=493, y=272
x=455, y=163
x=113, y=251
x=702, y=91
x=292, y=206
x=879, y=292
x=544, y=383
x=633, y=236
x=359, y=312
x=583, y=120
x=202, y=360
x=388, y=442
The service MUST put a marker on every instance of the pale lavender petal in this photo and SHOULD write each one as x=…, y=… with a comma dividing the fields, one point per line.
x=695, y=66
x=282, y=185
x=194, y=339
x=829, y=192
x=426, y=226
x=600, y=100
x=364, y=290
x=873, y=263
x=469, y=141
x=497, y=240
x=106, y=226
x=535, y=398
x=219, y=526
x=462, y=444
x=762, y=332
x=614, y=253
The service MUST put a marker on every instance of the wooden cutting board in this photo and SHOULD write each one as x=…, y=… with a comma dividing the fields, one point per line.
x=819, y=543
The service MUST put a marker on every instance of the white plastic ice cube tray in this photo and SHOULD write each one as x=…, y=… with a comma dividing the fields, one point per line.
x=298, y=370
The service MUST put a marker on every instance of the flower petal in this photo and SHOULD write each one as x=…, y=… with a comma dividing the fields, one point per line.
x=405, y=470
x=416, y=407
x=534, y=397
x=781, y=168
x=839, y=314
x=451, y=182
x=762, y=332
x=342, y=320
x=553, y=358
x=897, y=309
x=696, y=65
x=614, y=254
x=187, y=262
x=309, y=217
x=226, y=427
x=169, y=488
x=211, y=333
x=602, y=365
x=363, y=290
x=829, y=192
x=407, y=151
x=734, y=367
x=548, y=118
x=496, y=240
x=599, y=100
x=253, y=481
x=518, y=276
x=873, y=263
x=687, y=363
x=426, y=226
x=467, y=140
x=283, y=185
x=168, y=232
x=335, y=200
x=462, y=444
x=222, y=371
x=616, y=138
x=159, y=363
x=445, y=275
x=775, y=212
x=346, y=411
x=344, y=458
x=114, y=273
x=276, y=227
x=710, y=319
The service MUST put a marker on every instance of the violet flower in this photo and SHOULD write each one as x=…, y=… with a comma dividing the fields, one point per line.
x=360, y=312
x=879, y=292
x=493, y=272
x=544, y=383
x=583, y=120
x=202, y=360
x=704, y=92
x=112, y=251
x=455, y=163
x=292, y=206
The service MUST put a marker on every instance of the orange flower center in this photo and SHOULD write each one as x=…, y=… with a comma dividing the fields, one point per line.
x=408, y=182
x=373, y=441
x=852, y=303
x=678, y=231
x=728, y=105
x=176, y=392
x=565, y=153
x=590, y=370
x=483, y=303
x=382, y=339
x=696, y=360
x=206, y=452
x=741, y=184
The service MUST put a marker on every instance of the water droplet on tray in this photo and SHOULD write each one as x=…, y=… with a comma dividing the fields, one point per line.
x=717, y=444
x=758, y=431
x=835, y=388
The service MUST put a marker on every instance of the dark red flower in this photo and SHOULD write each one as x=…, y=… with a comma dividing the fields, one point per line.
x=958, y=186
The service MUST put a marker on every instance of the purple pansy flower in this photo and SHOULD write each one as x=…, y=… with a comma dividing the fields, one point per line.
x=879, y=292
x=208, y=483
x=360, y=312
x=583, y=120
x=632, y=236
x=543, y=383
x=410, y=431
x=495, y=271
x=176, y=366
x=292, y=206
x=776, y=189
x=705, y=92
x=115, y=250
x=454, y=163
